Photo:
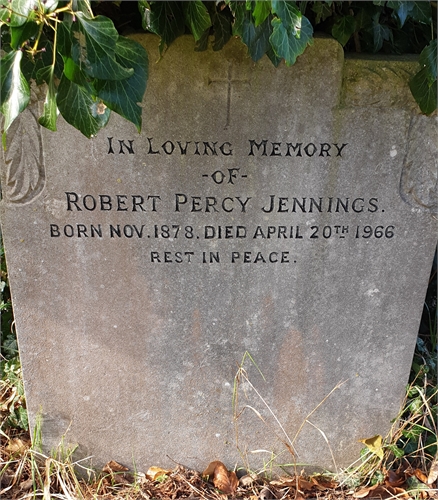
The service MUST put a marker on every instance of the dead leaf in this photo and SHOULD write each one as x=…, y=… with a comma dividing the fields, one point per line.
x=304, y=485
x=433, y=473
x=284, y=482
x=209, y=471
x=246, y=480
x=362, y=493
x=266, y=494
x=381, y=491
x=26, y=485
x=323, y=483
x=224, y=480
x=154, y=473
x=118, y=472
x=374, y=444
x=16, y=445
x=394, y=478
x=113, y=466
x=420, y=476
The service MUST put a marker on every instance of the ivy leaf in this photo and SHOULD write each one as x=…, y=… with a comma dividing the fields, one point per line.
x=261, y=11
x=288, y=46
x=422, y=12
x=428, y=59
x=275, y=60
x=31, y=65
x=15, y=92
x=402, y=10
x=363, y=19
x=197, y=18
x=398, y=452
x=50, y=113
x=374, y=444
x=222, y=30
x=64, y=44
x=290, y=16
x=74, y=73
x=123, y=96
x=256, y=38
x=322, y=10
x=202, y=43
x=20, y=34
x=165, y=19
x=79, y=109
x=380, y=33
x=424, y=92
x=343, y=29
x=16, y=13
x=93, y=45
x=82, y=6
x=239, y=12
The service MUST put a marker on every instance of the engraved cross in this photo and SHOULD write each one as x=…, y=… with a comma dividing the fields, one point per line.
x=228, y=81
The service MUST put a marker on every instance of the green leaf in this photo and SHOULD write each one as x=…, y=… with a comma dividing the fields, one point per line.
x=396, y=451
x=82, y=6
x=93, y=46
x=363, y=19
x=74, y=73
x=123, y=96
x=197, y=17
x=64, y=44
x=23, y=422
x=202, y=43
x=290, y=16
x=256, y=37
x=15, y=92
x=380, y=33
x=21, y=34
x=415, y=431
x=17, y=12
x=222, y=30
x=79, y=108
x=422, y=12
x=239, y=12
x=288, y=46
x=165, y=19
x=322, y=10
x=30, y=66
x=275, y=60
x=424, y=92
x=428, y=59
x=402, y=10
x=50, y=113
x=261, y=11
x=343, y=29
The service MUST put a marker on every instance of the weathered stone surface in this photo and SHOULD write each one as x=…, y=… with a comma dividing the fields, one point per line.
x=141, y=275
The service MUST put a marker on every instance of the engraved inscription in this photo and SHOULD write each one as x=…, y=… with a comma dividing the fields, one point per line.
x=233, y=224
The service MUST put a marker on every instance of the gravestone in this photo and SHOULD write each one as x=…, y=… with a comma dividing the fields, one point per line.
x=282, y=218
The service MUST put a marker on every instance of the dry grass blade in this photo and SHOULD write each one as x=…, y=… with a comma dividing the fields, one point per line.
x=327, y=441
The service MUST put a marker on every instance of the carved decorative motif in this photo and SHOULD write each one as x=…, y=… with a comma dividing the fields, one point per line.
x=23, y=177
x=419, y=178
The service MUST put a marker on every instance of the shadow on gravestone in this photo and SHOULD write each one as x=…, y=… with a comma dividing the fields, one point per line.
x=286, y=213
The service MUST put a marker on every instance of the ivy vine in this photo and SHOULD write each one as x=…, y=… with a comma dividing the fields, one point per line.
x=77, y=49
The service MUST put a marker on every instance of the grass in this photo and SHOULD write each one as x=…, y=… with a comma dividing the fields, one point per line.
x=402, y=464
